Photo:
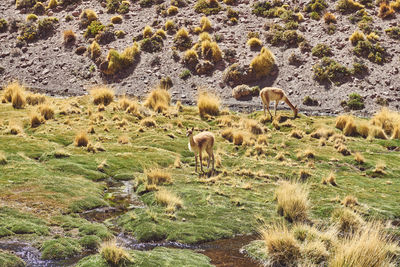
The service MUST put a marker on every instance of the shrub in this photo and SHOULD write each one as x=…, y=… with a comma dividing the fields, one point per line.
x=281, y=246
x=158, y=176
x=254, y=43
x=114, y=255
x=321, y=50
x=117, y=61
x=158, y=100
x=348, y=6
x=3, y=25
x=39, y=8
x=93, y=29
x=356, y=37
x=52, y=4
x=102, y=95
x=393, y=32
x=292, y=201
x=205, y=24
x=46, y=111
x=191, y=57
x=369, y=246
x=316, y=7
x=208, y=104
x=147, y=32
x=168, y=199
x=152, y=44
x=87, y=17
x=116, y=19
x=329, y=18
x=182, y=39
x=385, y=10
x=24, y=3
x=328, y=70
x=263, y=63
x=185, y=74
x=308, y=101
x=169, y=26
x=355, y=102
x=81, y=139
x=207, y=7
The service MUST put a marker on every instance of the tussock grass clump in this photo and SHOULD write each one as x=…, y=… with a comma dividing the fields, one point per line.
x=123, y=139
x=253, y=126
x=359, y=158
x=227, y=134
x=315, y=251
x=363, y=129
x=147, y=31
x=254, y=43
x=208, y=103
x=3, y=158
x=387, y=120
x=158, y=176
x=15, y=128
x=296, y=134
x=346, y=220
x=11, y=89
x=204, y=36
x=331, y=179
x=168, y=199
x=117, y=62
x=87, y=16
x=114, y=255
x=347, y=125
x=81, y=139
x=69, y=37
x=36, y=120
x=177, y=162
x=35, y=99
x=238, y=138
x=46, y=111
x=369, y=246
x=94, y=50
x=380, y=168
x=102, y=95
x=18, y=100
x=205, y=24
x=158, y=100
x=348, y=6
x=148, y=122
x=263, y=63
x=182, y=39
x=191, y=57
x=350, y=201
x=281, y=246
x=292, y=199
x=211, y=51
x=172, y=10
x=116, y=19
x=262, y=140
x=169, y=26
x=322, y=132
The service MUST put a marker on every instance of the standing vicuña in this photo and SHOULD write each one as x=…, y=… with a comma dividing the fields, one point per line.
x=200, y=142
x=269, y=94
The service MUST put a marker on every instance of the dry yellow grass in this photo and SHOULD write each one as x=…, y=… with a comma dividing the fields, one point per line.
x=3, y=158
x=94, y=50
x=204, y=36
x=116, y=19
x=123, y=139
x=172, y=10
x=238, y=138
x=281, y=246
x=11, y=88
x=211, y=51
x=315, y=252
x=147, y=32
x=169, y=25
x=262, y=64
x=208, y=103
x=386, y=119
x=36, y=120
x=342, y=149
x=190, y=57
x=227, y=134
x=81, y=139
x=369, y=246
x=350, y=201
x=15, y=127
x=168, y=199
x=331, y=179
x=346, y=220
x=296, y=134
x=385, y=10
x=158, y=100
x=380, y=168
x=18, y=100
x=205, y=24
x=158, y=176
x=114, y=255
x=254, y=42
x=377, y=132
x=358, y=157
x=262, y=140
x=35, y=99
x=69, y=37
x=102, y=95
x=177, y=162
x=350, y=129
x=46, y=111
x=322, y=132
x=292, y=199
x=253, y=126
x=148, y=122
x=363, y=129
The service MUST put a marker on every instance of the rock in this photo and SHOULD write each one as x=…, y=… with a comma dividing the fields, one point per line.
x=242, y=91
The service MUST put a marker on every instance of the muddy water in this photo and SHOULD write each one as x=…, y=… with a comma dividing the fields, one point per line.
x=122, y=198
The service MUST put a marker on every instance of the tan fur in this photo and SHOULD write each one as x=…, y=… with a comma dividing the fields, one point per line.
x=269, y=94
x=200, y=142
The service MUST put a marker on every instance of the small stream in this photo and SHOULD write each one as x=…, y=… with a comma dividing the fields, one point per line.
x=122, y=198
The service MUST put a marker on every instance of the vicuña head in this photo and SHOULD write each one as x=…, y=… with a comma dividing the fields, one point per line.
x=200, y=142
x=269, y=94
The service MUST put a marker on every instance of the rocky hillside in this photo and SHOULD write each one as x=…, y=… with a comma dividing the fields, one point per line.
x=66, y=47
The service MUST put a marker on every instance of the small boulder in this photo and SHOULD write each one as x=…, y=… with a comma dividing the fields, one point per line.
x=242, y=91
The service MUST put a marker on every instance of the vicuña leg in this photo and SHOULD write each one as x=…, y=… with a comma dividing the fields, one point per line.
x=195, y=156
x=201, y=161
x=276, y=105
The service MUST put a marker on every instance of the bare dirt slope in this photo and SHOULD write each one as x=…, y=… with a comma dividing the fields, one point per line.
x=50, y=66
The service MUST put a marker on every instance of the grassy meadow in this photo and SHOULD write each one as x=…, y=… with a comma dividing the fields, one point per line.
x=325, y=174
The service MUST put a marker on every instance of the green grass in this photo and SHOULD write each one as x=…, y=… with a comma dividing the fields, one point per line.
x=47, y=181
